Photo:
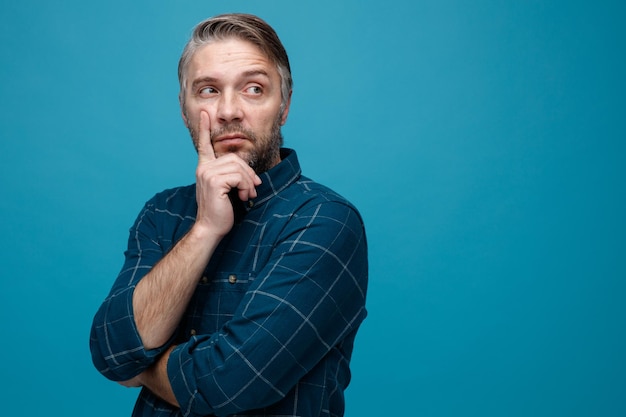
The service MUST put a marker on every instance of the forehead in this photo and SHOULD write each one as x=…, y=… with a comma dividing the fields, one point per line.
x=228, y=57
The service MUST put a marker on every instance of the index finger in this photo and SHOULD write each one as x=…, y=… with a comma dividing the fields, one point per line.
x=205, y=147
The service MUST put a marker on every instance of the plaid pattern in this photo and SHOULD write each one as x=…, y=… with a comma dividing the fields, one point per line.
x=270, y=328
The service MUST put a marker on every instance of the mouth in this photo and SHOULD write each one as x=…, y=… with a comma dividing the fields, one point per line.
x=233, y=139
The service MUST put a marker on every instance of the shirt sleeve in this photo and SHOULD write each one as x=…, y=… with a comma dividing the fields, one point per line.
x=116, y=347
x=307, y=299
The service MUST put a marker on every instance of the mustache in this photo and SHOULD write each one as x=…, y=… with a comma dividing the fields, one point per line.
x=231, y=129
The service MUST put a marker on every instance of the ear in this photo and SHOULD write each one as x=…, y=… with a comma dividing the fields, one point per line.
x=183, y=113
x=283, y=118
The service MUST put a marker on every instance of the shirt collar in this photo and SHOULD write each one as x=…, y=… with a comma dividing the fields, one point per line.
x=277, y=178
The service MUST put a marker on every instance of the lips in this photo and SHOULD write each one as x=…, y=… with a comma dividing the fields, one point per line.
x=234, y=136
x=230, y=141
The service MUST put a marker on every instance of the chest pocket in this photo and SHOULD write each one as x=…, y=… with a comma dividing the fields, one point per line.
x=215, y=301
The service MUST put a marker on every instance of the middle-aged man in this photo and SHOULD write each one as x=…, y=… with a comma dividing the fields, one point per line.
x=241, y=294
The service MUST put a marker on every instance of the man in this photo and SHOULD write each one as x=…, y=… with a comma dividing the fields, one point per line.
x=241, y=294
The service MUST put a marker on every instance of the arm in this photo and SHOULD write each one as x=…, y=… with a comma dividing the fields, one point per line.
x=155, y=379
x=160, y=299
x=142, y=312
x=298, y=317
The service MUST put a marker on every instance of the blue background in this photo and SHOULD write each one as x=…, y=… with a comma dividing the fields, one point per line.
x=484, y=143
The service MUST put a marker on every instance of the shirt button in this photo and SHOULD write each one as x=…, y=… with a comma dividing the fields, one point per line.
x=250, y=203
x=232, y=278
x=193, y=332
x=204, y=280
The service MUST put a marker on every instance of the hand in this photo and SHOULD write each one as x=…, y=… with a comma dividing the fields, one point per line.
x=215, y=177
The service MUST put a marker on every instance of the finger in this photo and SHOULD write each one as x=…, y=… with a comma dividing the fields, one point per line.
x=243, y=179
x=256, y=180
x=246, y=194
x=205, y=147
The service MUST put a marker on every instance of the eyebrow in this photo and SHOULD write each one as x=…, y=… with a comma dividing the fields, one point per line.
x=254, y=72
x=202, y=80
x=245, y=74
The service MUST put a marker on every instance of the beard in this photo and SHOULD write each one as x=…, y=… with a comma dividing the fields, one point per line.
x=266, y=151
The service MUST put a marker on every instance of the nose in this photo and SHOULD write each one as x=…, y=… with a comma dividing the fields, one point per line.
x=229, y=108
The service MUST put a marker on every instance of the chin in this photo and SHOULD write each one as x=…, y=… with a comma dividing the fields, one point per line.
x=243, y=154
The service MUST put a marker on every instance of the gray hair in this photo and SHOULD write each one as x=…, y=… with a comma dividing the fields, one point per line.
x=246, y=27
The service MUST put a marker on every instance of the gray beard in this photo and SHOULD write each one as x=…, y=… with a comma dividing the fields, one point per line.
x=266, y=150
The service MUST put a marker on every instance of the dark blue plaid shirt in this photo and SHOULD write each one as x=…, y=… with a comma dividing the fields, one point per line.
x=270, y=328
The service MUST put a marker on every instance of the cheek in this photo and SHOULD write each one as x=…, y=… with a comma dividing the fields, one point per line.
x=187, y=113
x=192, y=115
x=191, y=121
x=268, y=118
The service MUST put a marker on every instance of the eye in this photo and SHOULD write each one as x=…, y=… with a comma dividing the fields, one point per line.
x=254, y=90
x=207, y=91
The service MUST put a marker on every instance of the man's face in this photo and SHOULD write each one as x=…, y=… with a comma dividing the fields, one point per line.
x=239, y=87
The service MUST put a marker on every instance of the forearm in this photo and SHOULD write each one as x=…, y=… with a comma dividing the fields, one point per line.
x=287, y=321
x=156, y=380
x=161, y=297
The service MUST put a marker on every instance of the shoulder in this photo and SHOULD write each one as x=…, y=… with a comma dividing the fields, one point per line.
x=319, y=193
x=324, y=220
x=323, y=204
x=174, y=196
x=179, y=202
x=167, y=215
